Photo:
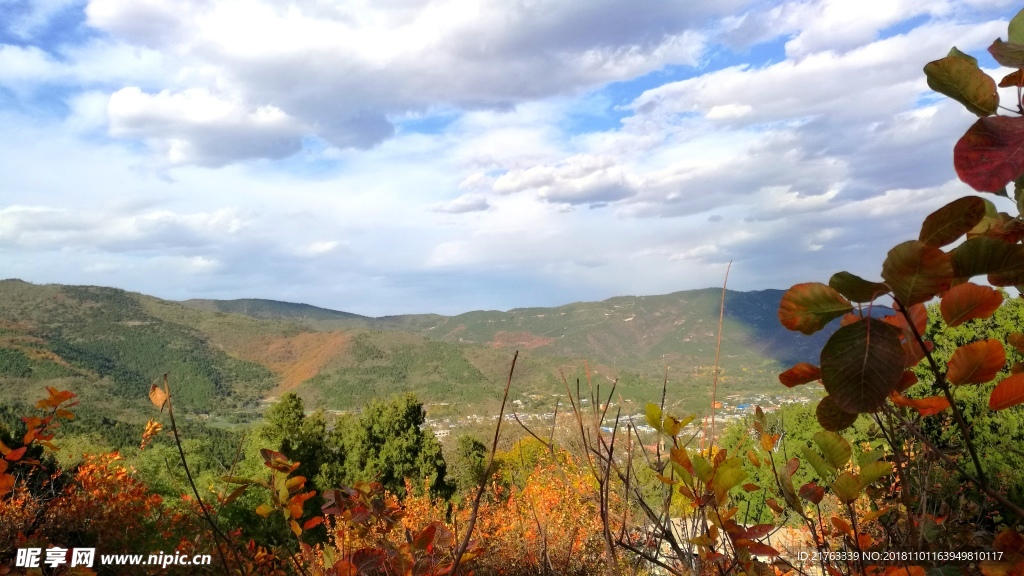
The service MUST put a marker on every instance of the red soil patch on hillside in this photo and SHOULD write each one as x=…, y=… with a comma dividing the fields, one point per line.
x=297, y=358
x=504, y=339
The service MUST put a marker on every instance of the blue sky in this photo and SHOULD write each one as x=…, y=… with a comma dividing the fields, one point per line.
x=444, y=156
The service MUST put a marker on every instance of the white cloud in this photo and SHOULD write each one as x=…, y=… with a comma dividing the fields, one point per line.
x=463, y=204
x=580, y=179
x=195, y=126
x=342, y=71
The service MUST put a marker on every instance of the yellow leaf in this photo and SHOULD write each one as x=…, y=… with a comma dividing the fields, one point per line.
x=264, y=510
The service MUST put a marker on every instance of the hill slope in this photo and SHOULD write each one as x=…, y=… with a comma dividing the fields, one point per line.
x=225, y=356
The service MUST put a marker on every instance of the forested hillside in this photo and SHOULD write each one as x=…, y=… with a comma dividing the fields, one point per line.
x=228, y=356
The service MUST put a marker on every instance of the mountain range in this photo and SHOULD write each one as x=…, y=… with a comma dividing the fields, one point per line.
x=226, y=356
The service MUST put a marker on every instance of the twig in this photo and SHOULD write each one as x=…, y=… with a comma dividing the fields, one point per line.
x=995, y=495
x=940, y=381
x=483, y=481
x=718, y=351
x=217, y=535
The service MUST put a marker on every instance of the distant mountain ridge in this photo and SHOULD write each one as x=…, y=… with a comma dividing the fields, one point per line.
x=224, y=356
x=628, y=331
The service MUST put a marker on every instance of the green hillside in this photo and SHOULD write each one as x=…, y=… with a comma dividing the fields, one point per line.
x=637, y=334
x=226, y=357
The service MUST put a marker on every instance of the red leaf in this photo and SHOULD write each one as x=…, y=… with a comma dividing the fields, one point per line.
x=1017, y=341
x=313, y=522
x=802, y=373
x=809, y=307
x=15, y=455
x=758, y=531
x=906, y=381
x=812, y=493
x=758, y=549
x=924, y=406
x=976, y=363
x=991, y=154
x=1009, y=392
x=967, y=301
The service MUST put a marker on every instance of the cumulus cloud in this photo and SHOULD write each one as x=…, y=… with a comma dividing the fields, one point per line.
x=197, y=127
x=580, y=179
x=343, y=71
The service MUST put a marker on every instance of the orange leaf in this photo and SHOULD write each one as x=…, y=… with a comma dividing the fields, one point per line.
x=842, y=525
x=1015, y=78
x=802, y=373
x=976, y=363
x=157, y=396
x=15, y=455
x=758, y=549
x=906, y=381
x=1009, y=392
x=751, y=487
x=313, y=522
x=967, y=301
x=924, y=406
x=809, y=307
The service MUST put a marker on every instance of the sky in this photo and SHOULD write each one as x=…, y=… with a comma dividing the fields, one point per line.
x=406, y=156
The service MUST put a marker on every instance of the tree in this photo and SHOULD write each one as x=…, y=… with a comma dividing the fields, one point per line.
x=386, y=442
x=468, y=465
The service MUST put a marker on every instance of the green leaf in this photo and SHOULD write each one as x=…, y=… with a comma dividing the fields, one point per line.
x=653, y=413
x=916, y=272
x=872, y=472
x=1009, y=54
x=866, y=458
x=835, y=448
x=861, y=364
x=954, y=51
x=824, y=469
x=832, y=417
x=947, y=224
x=728, y=477
x=847, y=487
x=1002, y=261
x=856, y=288
x=786, y=481
x=809, y=307
x=963, y=81
x=1016, y=29
x=683, y=474
x=701, y=468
